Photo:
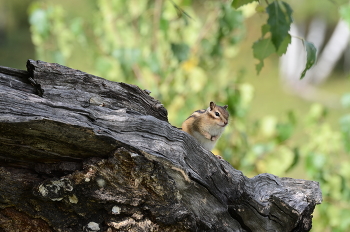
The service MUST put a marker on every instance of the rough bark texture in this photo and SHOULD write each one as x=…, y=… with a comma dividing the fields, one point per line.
x=80, y=153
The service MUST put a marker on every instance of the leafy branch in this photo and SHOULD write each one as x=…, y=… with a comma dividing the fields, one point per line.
x=275, y=34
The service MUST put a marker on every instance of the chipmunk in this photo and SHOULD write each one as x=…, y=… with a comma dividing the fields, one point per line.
x=207, y=125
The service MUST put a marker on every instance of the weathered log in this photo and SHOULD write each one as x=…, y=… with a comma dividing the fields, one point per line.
x=80, y=153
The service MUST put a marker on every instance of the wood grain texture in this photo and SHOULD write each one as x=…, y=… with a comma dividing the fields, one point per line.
x=82, y=153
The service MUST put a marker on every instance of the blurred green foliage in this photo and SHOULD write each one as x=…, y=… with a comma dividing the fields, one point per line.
x=344, y=11
x=15, y=40
x=181, y=51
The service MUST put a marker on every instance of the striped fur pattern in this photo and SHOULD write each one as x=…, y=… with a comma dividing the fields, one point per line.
x=207, y=125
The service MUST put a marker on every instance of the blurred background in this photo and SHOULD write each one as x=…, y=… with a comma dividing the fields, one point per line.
x=191, y=52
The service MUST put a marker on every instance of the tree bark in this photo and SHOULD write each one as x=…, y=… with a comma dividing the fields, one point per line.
x=81, y=153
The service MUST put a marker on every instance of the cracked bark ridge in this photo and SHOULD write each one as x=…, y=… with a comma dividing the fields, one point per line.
x=80, y=153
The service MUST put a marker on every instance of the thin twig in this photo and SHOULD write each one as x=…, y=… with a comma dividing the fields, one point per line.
x=297, y=37
x=181, y=10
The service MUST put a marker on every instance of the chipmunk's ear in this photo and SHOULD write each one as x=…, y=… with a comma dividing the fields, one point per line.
x=212, y=105
x=225, y=107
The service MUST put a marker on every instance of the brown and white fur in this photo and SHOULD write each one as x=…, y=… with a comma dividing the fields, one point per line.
x=207, y=125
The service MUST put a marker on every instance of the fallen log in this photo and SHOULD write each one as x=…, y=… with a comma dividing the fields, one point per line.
x=81, y=153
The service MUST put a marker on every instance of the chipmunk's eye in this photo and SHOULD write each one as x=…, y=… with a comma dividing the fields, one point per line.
x=217, y=114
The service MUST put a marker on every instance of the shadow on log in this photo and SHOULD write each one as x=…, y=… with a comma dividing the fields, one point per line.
x=81, y=153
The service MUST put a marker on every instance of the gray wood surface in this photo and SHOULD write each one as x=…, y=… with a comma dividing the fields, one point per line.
x=81, y=153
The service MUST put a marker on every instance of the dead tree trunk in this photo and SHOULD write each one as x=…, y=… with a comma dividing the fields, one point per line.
x=80, y=153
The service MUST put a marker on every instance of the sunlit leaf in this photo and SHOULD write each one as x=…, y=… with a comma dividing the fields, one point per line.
x=260, y=9
x=265, y=29
x=280, y=18
x=310, y=56
x=238, y=3
x=190, y=64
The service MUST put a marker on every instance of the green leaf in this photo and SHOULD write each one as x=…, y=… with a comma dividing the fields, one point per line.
x=231, y=19
x=262, y=49
x=295, y=160
x=164, y=25
x=238, y=3
x=180, y=51
x=284, y=45
x=264, y=29
x=280, y=18
x=310, y=56
x=284, y=131
x=291, y=117
x=315, y=162
x=259, y=66
x=343, y=185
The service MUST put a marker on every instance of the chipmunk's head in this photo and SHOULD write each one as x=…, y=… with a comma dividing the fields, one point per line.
x=219, y=114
